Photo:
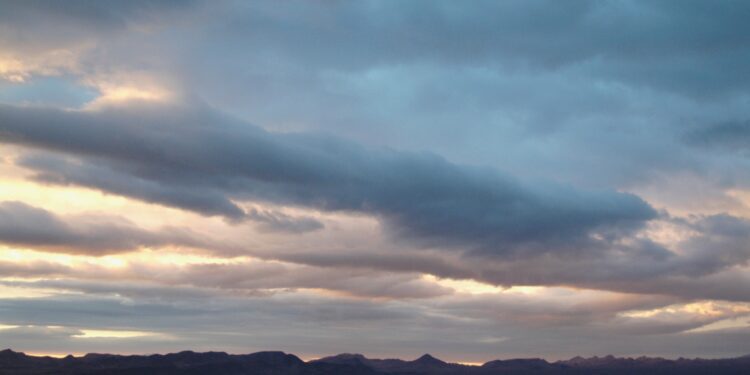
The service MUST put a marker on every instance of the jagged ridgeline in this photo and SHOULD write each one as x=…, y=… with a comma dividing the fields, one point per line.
x=279, y=363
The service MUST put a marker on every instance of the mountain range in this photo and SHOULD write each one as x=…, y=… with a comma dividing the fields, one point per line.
x=279, y=363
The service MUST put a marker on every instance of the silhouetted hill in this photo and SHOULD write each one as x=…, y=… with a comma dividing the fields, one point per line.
x=279, y=363
x=425, y=364
x=521, y=365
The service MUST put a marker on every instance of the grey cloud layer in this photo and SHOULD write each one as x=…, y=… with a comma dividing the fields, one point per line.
x=467, y=331
x=201, y=161
x=139, y=280
x=732, y=136
x=617, y=38
x=24, y=225
x=272, y=221
x=75, y=22
x=711, y=263
x=503, y=231
x=590, y=92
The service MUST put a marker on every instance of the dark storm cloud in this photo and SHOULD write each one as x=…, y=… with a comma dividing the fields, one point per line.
x=546, y=34
x=110, y=15
x=24, y=225
x=689, y=47
x=494, y=77
x=589, y=92
x=201, y=161
x=273, y=221
x=732, y=136
x=545, y=234
x=77, y=18
x=707, y=264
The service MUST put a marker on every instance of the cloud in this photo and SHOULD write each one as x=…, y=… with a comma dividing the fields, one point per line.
x=24, y=225
x=251, y=322
x=528, y=97
x=68, y=39
x=202, y=161
x=589, y=93
x=613, y=40
x=725, y=136
x=33, y=269
x=147, y=280
x=274, y=221
x=502, y=230
x=709, y=259
x=658, y=44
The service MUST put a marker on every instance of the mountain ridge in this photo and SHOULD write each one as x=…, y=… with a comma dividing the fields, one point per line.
x=281, y=363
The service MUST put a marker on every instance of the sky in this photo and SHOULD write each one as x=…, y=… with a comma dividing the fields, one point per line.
x=476, y=180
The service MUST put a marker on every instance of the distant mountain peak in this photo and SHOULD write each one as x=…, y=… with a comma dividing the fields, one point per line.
x=280, y=363
x=536, y=364
x=349, y=355
x=348, y=358
x=274, y=357
x=8, y=353
x=428, y=359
